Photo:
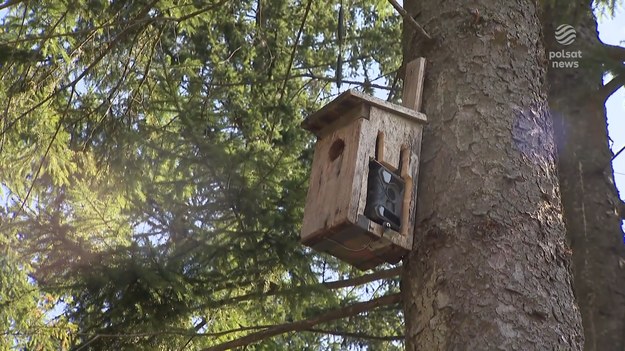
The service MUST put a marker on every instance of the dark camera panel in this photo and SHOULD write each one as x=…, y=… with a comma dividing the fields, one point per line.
x=385, y=194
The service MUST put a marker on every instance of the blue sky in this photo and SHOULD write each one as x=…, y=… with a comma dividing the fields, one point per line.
x=612, y=31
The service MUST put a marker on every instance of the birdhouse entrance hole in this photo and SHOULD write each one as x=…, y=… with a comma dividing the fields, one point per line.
x=336, y=149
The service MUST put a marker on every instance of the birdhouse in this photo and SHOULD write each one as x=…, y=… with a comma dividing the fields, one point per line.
x=361, y=202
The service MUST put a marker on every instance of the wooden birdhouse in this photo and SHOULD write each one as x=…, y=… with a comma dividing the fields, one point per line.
x=361, y=203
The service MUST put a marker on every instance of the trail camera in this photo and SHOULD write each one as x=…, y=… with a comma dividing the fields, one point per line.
x=361, y=203
x=385, y=196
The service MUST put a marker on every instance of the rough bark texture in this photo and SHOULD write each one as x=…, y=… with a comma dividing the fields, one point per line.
x=490, y=267
x=589, y=196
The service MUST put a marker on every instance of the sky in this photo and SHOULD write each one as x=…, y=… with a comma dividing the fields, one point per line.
x=612, y=31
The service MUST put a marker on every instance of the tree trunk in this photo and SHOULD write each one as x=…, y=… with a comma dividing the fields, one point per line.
x=589, y=196
x=490, y=267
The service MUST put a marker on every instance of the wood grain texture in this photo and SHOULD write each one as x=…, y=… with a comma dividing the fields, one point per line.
x=413, y=84
x=339, y=112
x=398, y=132
x=331, y=183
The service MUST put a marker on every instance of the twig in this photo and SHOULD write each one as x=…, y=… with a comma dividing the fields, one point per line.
x=306, y=324
x=357, y=335
x=299, y=34
x=333, y=79
x=618, y=153
x=197, y=329
x=409, y=18
x=367, y=278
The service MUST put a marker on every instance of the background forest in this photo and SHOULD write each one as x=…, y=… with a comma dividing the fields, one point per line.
x=153, y=173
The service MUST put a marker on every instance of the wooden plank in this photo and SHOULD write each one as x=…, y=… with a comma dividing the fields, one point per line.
x=334, y=111
x=335, y=119
x=405, y=210
x=379, y=147
x=331, y=181
x=399, y=133
x=413, y=84
x=411, y=98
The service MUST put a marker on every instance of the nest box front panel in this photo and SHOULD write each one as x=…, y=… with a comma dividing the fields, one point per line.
x=333, y=181
x=396, y=132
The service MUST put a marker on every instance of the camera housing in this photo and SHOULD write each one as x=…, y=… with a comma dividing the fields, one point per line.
x=385, y=194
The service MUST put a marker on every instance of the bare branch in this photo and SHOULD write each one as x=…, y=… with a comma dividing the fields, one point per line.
x=615, y=52
x=306, y=324
x=367, y=278
x=612, y=86
x=617, y=154
x=333, y=79
x=409, y=18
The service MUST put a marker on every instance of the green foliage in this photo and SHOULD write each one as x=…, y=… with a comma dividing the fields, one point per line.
x=155, y=172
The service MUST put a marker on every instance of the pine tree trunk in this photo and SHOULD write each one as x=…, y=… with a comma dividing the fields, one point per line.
x=589, y=195
x=490, y=267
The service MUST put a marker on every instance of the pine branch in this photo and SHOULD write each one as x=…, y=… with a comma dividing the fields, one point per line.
x=114, y=42
x=357, y=335
x=71, y=85
x=338, y=284
x=306, y=324
x=410, y=20
x=200, y=11
x=367, y=278
x=45, y=154
x=174, y=332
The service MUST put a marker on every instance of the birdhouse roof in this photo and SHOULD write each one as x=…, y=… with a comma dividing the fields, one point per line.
x=351, y=105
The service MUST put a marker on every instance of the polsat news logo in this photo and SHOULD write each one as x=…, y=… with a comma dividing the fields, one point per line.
x=565, y=35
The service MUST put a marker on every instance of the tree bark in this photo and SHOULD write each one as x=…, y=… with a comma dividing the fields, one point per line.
x=589, y=196
x=490, y=266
